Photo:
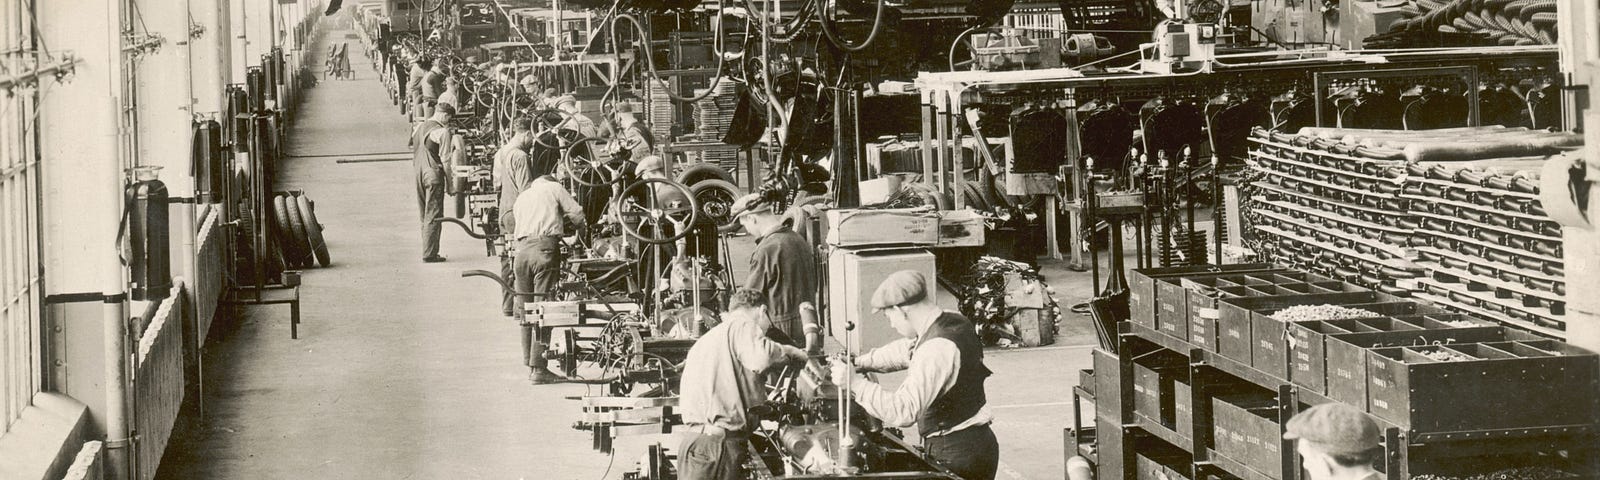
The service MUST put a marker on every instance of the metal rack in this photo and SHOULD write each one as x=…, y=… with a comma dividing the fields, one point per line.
x=1121, y=426
x=946, y=95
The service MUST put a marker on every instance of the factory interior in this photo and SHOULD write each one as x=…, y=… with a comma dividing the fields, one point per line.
x=799, y=239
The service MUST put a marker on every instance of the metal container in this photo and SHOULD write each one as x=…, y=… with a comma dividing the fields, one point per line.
x=1343, y=359
x=1499, y=386
x=1196, y=298
x=1270, y=349
x=1234, y=324
x=1142, y=285
x=1107, y=386
x=1147, y=392
x=1245, y=429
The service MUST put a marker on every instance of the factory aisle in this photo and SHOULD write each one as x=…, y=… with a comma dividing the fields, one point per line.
x=402, y=369
x=406, y=370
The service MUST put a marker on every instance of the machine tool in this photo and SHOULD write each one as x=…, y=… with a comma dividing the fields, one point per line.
x=1179, y=46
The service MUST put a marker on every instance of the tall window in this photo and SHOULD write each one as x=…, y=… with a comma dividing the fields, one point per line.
x=19, y=218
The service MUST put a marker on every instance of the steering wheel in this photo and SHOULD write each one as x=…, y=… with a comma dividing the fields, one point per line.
x=543, y=126
x=678, y=215
x=592, y=165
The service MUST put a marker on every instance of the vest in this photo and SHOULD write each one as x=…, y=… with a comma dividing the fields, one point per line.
x=966, y=397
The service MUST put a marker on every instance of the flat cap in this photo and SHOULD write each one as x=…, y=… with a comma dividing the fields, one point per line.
x=1334, y=429
x=904, y=287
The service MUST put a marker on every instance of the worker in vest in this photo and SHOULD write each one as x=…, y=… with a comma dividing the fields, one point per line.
x=942, y=393
x=429, y=139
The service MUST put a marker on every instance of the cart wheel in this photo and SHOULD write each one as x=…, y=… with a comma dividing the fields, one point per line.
x=658, y=216
x=588, y=168
x=319, y=247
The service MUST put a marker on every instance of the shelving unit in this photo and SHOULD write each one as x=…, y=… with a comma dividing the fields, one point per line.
x=1127, y=431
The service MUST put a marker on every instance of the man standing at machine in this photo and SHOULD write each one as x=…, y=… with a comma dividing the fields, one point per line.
x=512, y=177
x=433, y=86
x=943, y=390
x=721, y=381
x=419, y=71
x=429, y=140
x=1336, y=442
x=541, y=215
x=783, y=266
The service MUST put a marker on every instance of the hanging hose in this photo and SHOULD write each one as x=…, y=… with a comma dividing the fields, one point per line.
x=650, y=60
x=833, y=37
x=793, y=29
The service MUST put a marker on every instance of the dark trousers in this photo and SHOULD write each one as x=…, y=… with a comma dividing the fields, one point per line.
x=538, y=267
x=973, y=453
x=430, y=202
x=712, y=457
x=508, y=302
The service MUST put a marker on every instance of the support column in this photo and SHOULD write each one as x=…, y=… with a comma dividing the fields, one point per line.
x=1580, y=64
x=209, y=62
x=79, y=137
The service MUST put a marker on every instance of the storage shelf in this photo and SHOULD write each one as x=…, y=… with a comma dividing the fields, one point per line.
x=1144, y=422
x=1235, y=468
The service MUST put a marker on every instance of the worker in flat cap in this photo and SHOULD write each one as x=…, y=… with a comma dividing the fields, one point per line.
x=632, y=135
x=942, y=393
x=576, y=120
x=1336, y=442
x=783, y=266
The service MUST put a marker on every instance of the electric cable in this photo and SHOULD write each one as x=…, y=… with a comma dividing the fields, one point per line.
x=650, y=61
x=833, y=37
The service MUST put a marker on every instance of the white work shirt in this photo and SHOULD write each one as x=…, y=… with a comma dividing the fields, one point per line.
x=541, y=207
x=722, y=374
x=931, y=370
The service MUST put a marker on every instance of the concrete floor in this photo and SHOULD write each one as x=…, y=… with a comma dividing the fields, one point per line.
x=406, y=370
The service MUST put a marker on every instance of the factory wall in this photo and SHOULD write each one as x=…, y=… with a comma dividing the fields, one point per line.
x=138, y=74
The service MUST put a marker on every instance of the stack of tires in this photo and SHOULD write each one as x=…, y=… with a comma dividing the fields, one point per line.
x=297, y=231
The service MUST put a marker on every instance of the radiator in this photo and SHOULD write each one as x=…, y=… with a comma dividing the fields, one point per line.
x=158, y=382
x=89, y=464
x=210, y=280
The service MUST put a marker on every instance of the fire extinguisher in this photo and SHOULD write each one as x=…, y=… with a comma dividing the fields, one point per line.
x=207, y=160
x=238, y=118
x=256, y=82
x=149, y=251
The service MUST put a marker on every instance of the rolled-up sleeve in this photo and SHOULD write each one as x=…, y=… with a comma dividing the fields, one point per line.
x=892, y=357
x=931, y=373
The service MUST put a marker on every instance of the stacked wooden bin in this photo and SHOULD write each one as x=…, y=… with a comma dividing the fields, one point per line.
x=1214, y=360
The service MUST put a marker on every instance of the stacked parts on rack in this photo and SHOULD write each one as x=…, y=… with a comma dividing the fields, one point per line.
x=297, y=231
x=713, y=118
x=1487, y=244
x=661, y=115
x=1449, y=215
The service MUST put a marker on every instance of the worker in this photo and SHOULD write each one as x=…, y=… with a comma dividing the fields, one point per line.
x=632, y=136
x=576, y=120
x=433, y=86
x=512, y=176
x=721, y=382
x=452, y=93
x=419, y=71
x=942, y=393
x=1336, y=442
x=783, y=266
x=428, y=140
x=542, y=213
